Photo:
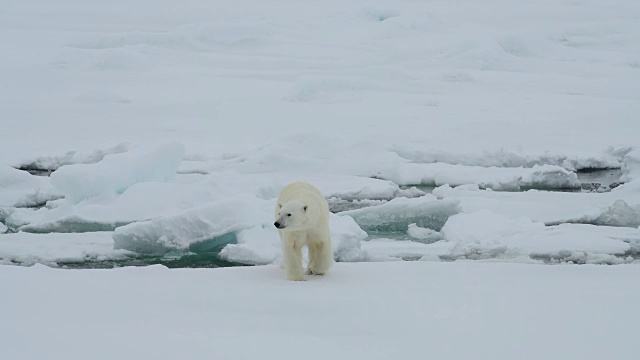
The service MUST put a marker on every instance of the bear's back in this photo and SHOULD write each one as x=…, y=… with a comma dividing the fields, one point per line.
x=305, y=192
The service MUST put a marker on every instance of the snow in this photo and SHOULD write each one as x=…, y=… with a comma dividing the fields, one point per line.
x=51, y=249
x=386, y=310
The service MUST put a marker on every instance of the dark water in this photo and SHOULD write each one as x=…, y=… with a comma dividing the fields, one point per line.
x=184, y=261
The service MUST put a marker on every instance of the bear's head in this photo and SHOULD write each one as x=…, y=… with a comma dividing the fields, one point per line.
x=291, y=216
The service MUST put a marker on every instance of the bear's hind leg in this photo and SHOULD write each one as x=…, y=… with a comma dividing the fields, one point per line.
x=313, y=258
x=320, y=258
x=292, y=258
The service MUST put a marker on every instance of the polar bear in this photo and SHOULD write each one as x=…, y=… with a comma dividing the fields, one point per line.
x=302, y=218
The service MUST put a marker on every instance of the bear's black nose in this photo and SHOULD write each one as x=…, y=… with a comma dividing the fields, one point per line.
x=276, y=224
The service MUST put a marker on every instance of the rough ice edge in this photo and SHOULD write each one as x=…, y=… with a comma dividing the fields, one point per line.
x=195, y=225
x=610, y=158
x=496, y=178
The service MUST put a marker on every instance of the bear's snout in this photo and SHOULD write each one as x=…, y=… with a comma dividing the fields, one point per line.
x=278, y=225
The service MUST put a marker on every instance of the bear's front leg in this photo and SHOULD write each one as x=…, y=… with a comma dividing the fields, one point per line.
x=292, y=256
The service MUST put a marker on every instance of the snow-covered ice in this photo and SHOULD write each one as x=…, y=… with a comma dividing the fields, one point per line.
x=52, y=249
x=398, y=214
x=389, y=310
x=485, y=234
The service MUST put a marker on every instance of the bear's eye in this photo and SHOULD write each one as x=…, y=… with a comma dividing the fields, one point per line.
x=288, y=214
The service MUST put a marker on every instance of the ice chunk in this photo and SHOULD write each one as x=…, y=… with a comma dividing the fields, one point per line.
x=3, y=228
x=631, y=166
x=178, y=232
x=50, y=163
x=347, y=237
x=620, y=214
x=484, y=235
x=507, y=179
x=117, y=172
x=424, y=235
x=396, y=215
x=142, y=201
x=19, y=188
x=259, y=245
x=52, y=249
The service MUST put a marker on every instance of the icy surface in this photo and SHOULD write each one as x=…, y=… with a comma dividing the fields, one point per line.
x=361, y=311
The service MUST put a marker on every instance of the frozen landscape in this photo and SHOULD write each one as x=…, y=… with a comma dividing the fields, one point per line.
x=481, y=160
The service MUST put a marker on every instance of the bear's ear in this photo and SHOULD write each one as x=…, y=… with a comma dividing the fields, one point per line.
x=305, y=208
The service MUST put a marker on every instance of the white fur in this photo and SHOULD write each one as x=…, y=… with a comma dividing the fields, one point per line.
x=303, y=216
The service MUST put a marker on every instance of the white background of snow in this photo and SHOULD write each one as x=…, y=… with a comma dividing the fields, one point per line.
x=387, y=310
x=262, y=92
x=525, y=78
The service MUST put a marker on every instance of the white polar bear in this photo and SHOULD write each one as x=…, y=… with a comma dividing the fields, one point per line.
x=302, y=218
